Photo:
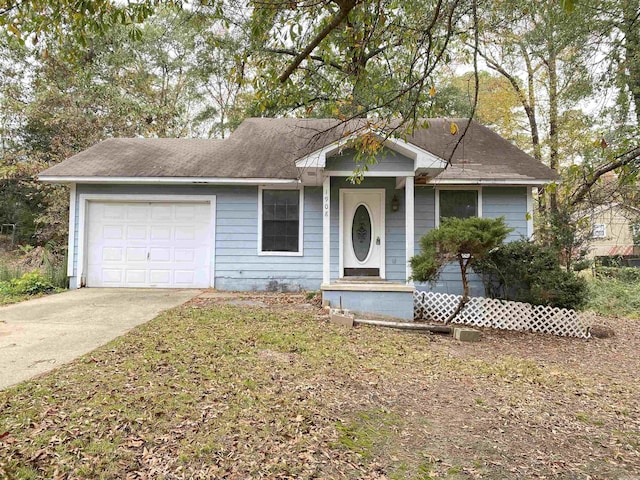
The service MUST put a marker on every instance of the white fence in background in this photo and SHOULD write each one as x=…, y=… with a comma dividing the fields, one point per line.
x=489, y=312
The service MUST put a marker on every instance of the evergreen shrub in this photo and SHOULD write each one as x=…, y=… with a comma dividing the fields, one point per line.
x=524, y=271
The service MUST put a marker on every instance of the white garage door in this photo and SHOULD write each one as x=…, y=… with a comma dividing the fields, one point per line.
x=149, y=244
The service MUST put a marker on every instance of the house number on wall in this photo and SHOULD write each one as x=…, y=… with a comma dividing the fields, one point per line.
x=326, y=202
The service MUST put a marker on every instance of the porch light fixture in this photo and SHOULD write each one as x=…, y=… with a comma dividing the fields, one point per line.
x=395, y=204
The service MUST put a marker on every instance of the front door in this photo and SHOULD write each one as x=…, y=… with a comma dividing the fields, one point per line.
x=363, y=232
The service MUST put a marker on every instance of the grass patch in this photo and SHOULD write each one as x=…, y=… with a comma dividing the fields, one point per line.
x=7, y=299
x=614, y=297
x=227, y=392
x=369, y=432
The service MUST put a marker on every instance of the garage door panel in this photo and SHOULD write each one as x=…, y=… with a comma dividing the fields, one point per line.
x=184, y=232
x=112, y=254
x=159, y=233
x=137, y=232
x=183, y=277
x=162, y=211
x=202, y=213
x=149, y=244
x=136, y=254
x=113, y=211
x=184, y=255
x=185, y=212
x=111, y=276
x=136, y=277
x=138, y=211
x=159, y=254
x=112, y=232
x=159, y=278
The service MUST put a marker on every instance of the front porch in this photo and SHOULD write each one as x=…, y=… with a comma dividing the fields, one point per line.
x=369, y=226
x=369, y=237
x=371, y=297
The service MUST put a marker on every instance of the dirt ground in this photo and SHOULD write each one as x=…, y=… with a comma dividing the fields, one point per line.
x=242, y=386
x=533, y=405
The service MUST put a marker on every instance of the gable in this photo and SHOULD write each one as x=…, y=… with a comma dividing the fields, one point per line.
x=388, y=161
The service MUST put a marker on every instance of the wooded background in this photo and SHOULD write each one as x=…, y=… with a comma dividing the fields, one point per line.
x=559, y=79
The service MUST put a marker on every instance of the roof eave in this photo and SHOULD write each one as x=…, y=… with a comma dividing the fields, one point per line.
x=167, y=180
x=502, y=182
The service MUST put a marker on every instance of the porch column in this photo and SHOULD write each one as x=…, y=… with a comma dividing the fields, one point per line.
x=326, y=231
x=408, y=221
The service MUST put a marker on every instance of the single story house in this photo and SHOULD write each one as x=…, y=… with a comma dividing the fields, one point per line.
x=272, y=208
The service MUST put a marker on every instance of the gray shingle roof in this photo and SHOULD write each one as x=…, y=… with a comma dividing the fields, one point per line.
x=268, y=148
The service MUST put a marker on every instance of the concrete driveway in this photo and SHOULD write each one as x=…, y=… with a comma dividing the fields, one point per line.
x=40, y=334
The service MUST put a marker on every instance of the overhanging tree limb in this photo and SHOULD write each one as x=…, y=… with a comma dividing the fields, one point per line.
x=292, y=53
x=345, y=7
x=626, y=158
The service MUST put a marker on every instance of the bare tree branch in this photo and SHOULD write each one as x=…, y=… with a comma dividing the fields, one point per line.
x=345, y=7
x=292, y=53
x=619, y=161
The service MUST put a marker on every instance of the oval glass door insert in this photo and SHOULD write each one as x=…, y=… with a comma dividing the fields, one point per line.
x=361, y=233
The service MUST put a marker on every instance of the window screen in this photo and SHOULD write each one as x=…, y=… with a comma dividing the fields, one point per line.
x=280, y=220
x=458, y=203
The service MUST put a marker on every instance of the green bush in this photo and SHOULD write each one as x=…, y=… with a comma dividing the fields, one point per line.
x=623, y=274
x=7, y=273
x=612, y=297
x=32, y=283
x=523, y=271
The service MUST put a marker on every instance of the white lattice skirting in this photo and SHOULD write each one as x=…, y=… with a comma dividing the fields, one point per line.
x=488, y=312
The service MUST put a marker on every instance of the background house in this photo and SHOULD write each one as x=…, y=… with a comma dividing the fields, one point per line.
x=614, y=231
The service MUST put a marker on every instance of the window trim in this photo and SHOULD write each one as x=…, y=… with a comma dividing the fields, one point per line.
x=300, y=251
x=460, y=187
x=604, y=231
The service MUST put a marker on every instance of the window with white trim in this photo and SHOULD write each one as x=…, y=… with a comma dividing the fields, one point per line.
x=599, y=230
x=280, y=220
x=458, y=203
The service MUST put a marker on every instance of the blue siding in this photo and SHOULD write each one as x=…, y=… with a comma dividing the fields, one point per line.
x=387, y=161
x=510, y=203
x=237, y=263
x=239, y=267
x=394, y=228
x=424, y=213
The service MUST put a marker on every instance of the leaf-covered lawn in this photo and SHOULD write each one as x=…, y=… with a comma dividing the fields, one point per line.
x=211, y=390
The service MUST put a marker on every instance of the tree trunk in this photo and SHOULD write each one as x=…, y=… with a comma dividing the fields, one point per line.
x=553, y=120
x=530, y=106
x=530, y=110
x=465, y=288
x=631, y=27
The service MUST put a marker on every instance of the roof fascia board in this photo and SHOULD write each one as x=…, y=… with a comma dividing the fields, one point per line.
x=512, y=182
x=170, y=180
